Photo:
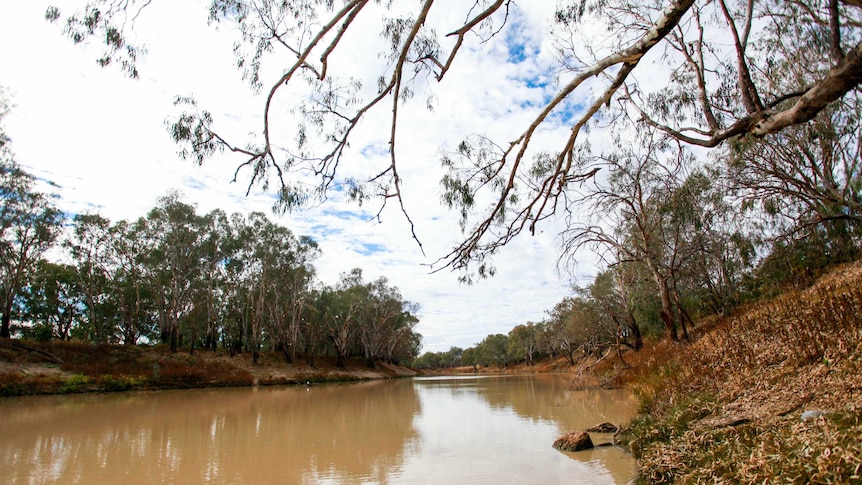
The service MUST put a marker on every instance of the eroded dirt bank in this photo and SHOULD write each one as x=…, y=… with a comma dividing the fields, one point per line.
x=28, y=368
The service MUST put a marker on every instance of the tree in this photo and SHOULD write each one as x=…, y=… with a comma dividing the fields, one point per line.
x=129, y=287
x=216, y=250
x=610, y=293
x=173, y=233
x=630, y=217
x=282, y=269
x=523, y=342
x=30, y=223
x=90, y=245
x=386, y=318
x=452, y=358
x=493, y=350
x=710, y=91
x=470, y=357
x=338, y=313
x=53, y=300
x=806, y=175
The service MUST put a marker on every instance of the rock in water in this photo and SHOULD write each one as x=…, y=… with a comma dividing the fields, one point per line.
x=603, y=428
x=575, y=441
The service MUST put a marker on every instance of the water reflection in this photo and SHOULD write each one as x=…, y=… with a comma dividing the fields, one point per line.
x=503, y=427
x=467, y=430
x=269, y=435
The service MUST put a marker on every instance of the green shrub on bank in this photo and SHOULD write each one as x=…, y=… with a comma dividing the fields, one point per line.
x=75, y=383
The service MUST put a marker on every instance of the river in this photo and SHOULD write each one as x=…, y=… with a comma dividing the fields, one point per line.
x=484, y=429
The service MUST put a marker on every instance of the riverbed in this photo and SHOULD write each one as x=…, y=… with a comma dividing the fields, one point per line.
x=463, y=429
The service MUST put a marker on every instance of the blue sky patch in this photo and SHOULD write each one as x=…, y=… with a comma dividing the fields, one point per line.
x=375, y=150
x=324, y=230
x=193, y=183
x=517, y=43
x=369, y=249
x=567, y=112
x=346, y=215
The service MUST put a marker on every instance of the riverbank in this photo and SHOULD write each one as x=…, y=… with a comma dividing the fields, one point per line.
x=31, y=368
x=772, y=394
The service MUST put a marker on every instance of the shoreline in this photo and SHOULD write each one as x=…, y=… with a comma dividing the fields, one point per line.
x=29, y=368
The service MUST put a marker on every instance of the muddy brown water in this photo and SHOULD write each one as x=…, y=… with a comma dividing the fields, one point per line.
x=484, y=429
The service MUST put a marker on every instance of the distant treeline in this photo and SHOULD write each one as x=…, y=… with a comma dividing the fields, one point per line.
x=186, y=280
x=621, y=306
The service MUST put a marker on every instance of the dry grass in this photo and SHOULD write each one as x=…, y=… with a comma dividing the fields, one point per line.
x=727, y=407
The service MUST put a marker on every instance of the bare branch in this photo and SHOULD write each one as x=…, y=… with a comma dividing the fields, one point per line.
x=835, y=31
x=461, y=32
x=750, y=98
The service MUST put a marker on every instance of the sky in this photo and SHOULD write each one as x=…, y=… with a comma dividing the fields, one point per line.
x=102, y=138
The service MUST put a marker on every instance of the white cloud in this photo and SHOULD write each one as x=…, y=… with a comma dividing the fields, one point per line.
x=102, y=138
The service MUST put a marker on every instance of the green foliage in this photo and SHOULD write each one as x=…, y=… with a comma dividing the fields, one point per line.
x=439, y=360
x=797, y=262
x=94, y=21
x=30, y=222
x=116, y=383
x=524, y=342
x=493, y=351
x=75, y=383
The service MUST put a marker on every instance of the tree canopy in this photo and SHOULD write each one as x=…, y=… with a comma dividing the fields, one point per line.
x=699, y=73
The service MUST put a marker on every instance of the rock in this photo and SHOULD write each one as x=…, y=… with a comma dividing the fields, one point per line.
x=603, y=428
x=575, y=441
x=812, y=414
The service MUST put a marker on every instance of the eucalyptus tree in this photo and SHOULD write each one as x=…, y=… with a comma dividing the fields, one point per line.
x=130, y=287
x=452, y=357
x=260, y=264
x=493, y=350
x=524, y=342
x=338, y=308
x=284, y=278
x=470, y=357
x=297, y=280
x=719, y=242
x=90, y=246
x=217, y=248
x=810, y=173
x=52, y=301
x=701, y=72
x=312, y=329
x=656, y=208
x=404, y=344
x=429, y=360
x=610, y=293
x=371, y=319
x=30, y=223
x=272, y=273
x=625, y=222
x=806, y=175
x=576, y=324
x=562, y=336
x=173, y=233
x=236, y=308
x=385, y=320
